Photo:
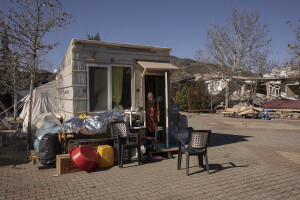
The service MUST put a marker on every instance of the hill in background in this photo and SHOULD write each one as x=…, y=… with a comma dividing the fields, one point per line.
x=189, y=67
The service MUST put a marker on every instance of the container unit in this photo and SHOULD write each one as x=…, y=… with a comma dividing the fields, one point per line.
x=96, y=76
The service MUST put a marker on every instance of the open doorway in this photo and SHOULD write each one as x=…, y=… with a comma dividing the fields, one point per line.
x=156, y=85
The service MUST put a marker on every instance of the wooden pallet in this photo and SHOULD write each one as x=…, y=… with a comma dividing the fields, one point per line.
x=35, y=160
x=34, y=156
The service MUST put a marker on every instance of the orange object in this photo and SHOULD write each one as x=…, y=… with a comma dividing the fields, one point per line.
x=105, y=156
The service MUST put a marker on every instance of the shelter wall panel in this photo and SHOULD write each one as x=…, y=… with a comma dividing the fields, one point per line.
x=65, y=107
x=108, y=56
x=119, y=50
x=65, y=93
x=88, y=47
x=83, y=54
x=128, y=57
x=138, y=87
x=79, y=92
x=67, y=61
x=64, y=71
x=65, y=81
x=79, y=78
x=80, y=107
x=79, y=65
x=67, y=116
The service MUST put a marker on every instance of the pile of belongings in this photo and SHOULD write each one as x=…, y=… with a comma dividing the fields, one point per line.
x=46, y=123
x=91, y=125
x=45, y=129
x=251, y=110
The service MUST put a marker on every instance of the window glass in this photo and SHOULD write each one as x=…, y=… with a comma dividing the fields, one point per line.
x=121, y=87
x=98, y=89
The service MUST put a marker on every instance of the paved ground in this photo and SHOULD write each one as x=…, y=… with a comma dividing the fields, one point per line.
x=249, y=159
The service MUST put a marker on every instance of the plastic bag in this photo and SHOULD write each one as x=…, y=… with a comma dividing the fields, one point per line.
x=36, y=145
x=46, y=123
x=48, y=127
x=49, y=147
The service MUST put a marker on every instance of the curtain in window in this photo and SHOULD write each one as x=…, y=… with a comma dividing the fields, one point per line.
x=117, y=86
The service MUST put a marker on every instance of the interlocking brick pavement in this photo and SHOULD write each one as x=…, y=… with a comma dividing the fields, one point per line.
x=248, y=159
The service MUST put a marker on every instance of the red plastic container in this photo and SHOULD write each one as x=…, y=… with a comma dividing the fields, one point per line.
x=84, y=157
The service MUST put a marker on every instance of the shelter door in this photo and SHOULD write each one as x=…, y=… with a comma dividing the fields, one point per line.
x=156, y=85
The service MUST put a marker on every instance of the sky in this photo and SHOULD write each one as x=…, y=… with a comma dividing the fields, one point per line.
x=181, y=25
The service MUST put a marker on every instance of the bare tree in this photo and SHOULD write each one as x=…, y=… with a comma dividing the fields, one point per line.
x=295, y=48
x=14, y=76
x=28, y=23
x=241, y=45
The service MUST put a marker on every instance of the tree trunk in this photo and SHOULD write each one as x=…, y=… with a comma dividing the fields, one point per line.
x=35, y=65
x=15, y=96
x=254, y=87
x=268, y=89
x=15, y=104
x=29, y=133
x=227, y=95
x=211, y=106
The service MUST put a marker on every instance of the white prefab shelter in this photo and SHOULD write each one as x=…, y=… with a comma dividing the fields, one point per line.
x=97, y=76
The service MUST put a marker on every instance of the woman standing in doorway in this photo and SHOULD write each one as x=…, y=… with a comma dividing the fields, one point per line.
x=153, y=114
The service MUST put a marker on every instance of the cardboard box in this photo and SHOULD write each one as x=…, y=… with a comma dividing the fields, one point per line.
x=64, y=164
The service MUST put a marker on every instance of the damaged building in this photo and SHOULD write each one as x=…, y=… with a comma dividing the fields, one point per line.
x=281, y=83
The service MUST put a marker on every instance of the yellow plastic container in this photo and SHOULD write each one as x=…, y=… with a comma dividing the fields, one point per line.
x=105, y=156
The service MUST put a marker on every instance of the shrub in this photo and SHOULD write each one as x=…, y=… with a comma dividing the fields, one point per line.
x=198, y=96
x=181, y=98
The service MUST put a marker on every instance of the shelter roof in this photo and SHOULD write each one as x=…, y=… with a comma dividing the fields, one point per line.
x=95, y=42
x=157, y=65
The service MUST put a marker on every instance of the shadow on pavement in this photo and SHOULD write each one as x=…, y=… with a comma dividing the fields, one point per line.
x=218, y=139
x=129, y=164
x=214, y=168
x=12, y=152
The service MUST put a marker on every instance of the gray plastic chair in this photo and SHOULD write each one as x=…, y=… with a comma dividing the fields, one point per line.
x=123, y=140
x=196, y=145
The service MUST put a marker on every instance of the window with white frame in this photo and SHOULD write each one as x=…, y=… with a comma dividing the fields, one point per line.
x=109, y=87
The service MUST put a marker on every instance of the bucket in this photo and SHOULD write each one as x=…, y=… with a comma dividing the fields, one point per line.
x=84, y=157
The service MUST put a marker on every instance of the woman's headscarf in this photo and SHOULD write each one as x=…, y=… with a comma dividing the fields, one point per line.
x=150, y=103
